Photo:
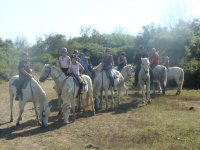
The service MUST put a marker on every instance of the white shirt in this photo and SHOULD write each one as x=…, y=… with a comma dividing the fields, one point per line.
x=64, y=61
x=75, y=68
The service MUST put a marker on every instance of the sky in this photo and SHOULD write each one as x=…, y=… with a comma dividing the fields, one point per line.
x=31, y=19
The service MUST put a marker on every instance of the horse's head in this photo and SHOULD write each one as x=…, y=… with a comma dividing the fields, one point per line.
x=145, y=64
x=97, y=69
x=129, y=70
x=45, y=115
x=46, y=72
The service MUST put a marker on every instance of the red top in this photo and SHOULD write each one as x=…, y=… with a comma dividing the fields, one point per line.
x=154, y=60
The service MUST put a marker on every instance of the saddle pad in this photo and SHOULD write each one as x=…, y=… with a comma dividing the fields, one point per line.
x=17, y=82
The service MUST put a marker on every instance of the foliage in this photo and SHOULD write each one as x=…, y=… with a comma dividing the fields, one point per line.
x=181, y=43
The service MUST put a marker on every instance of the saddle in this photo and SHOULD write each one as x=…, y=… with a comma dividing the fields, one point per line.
x=16, y=83
x=115, y=76
x=83, y=84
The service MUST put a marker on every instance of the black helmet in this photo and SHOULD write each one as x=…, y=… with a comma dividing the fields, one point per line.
x=85, y=50
x=75, y=52
x=74, y=56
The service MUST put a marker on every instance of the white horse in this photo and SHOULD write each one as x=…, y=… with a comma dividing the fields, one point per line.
x=126, y=73
x=102, y=83
x=67, y=90
x=144, y=80
x=177, y=74
x=31, y=92
x=160, y=76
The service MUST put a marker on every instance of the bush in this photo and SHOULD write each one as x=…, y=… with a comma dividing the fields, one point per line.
x=192, y=74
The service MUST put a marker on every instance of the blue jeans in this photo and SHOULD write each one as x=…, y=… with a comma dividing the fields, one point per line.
x=110, y=76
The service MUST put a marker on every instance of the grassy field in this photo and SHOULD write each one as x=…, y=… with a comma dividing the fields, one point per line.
x=169, y=122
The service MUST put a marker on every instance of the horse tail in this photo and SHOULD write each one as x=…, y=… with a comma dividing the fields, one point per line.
x=181, y=78
x=88, y=100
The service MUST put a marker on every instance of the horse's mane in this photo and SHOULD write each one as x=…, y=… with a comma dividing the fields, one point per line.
x=56, y=68
x=99, y=66
x=38, y=85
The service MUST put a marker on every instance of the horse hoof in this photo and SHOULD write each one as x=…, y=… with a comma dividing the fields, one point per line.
x=66, y=122
x=17, y=124
x=11, y=120
x=149, y=101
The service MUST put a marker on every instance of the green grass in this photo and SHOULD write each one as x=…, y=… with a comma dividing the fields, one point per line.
x=167, y=123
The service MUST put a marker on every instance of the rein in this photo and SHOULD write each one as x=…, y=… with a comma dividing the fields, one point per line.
x=34, y=103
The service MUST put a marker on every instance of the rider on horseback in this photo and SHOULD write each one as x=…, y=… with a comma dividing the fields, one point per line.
x=64, y=61
x=122, y=61
x=85, y=62
x=24, y=73
x=138, y=62
x=77, y=69
x=154, y=61
x=107, y=64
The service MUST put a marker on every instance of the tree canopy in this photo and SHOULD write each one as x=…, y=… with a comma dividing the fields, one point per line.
x=180, y=42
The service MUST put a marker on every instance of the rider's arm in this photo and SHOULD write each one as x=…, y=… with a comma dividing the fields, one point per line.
x=69, y=62
x=125, y=61
x=81, y=68
x=23, y=71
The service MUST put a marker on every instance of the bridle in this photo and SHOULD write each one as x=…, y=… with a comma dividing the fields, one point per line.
x=49, y=74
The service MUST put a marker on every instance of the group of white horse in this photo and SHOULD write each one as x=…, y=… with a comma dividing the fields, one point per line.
x=67, y=89
x=161, y=76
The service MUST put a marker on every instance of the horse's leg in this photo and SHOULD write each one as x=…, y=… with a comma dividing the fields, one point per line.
x=21, y=110
x=59, y=106
x=118, y=99
x=154, y=84
x=11, y=107
x=143, y=94
x=73, y=108
x=148, y=93
x=36, y=112
x=113, y=100
x=66, y=112
x=163, y=87
x=106, y=97
x=178, y=86
x=90, y=96
x=101, y=99
x=181, y=86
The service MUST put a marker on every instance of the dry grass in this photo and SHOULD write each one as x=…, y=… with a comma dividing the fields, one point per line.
x=167, y=123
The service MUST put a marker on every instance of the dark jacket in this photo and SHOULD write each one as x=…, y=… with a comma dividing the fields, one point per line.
x=138, y=56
